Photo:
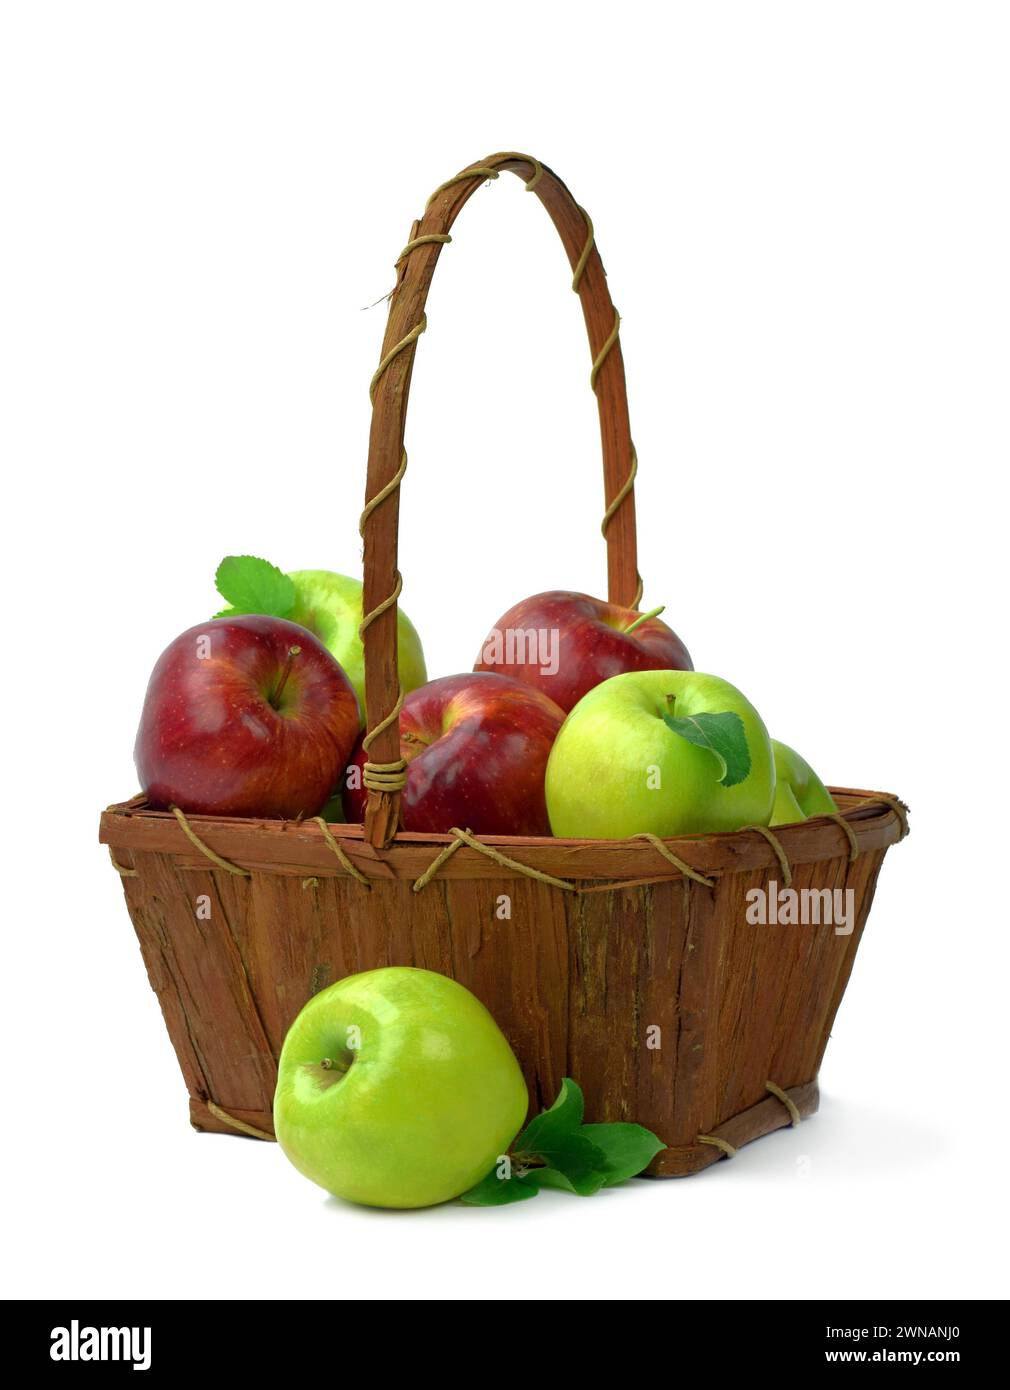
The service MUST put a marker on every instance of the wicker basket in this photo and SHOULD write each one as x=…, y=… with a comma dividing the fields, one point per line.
x=629, y=965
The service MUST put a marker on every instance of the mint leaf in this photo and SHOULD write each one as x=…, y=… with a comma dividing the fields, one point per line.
x=549, y=1177
x=252, y=585
x=557, y=1150
x=626, y=1149
x=577, y=1159
x=494, y=1191
x=722, y=734
x=558, y=1137
x=564, y=1117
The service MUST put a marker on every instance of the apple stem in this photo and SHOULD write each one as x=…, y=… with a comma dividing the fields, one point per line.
x=644, y=618
x=292, y=653
x=341, y=1065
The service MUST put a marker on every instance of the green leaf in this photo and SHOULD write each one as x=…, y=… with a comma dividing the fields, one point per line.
x=564, y=1117
x=626, y=1149
x=578, y=1158
x=252, y=585
x=722, y=734
x=549, y=1177
x=494, y=1191
x=558, y=1137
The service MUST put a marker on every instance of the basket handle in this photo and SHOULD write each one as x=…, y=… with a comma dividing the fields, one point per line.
x=387, y=460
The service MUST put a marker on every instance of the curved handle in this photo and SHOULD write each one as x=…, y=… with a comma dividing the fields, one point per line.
x=390, y=387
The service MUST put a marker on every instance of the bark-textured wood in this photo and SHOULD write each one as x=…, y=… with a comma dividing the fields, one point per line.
x=293, y=847
x=657, y=996
x=389, y=413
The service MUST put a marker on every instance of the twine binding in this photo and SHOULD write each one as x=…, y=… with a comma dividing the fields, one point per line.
x=436, y=864
x=429, y=239
x=481, y=173
x=614, y=507
x=685, y=869
x=241, y=1125
x=379, y=609
x=463, y=837
x=727, y=1148
x=794, y=1115
x=377, y=501
x=341, y=854
x=538, y=173
x=385, y=777
x=392, y=777
x=601, y=356
x=405, y=342
x=205, y=849
x=583, y=261
x=898, y=807
x=780, y=854
x=717, y=1143
x=121, y=869
x=839, y=819
x=625, y=488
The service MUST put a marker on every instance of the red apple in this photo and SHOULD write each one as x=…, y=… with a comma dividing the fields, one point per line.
x=563, y=644
x=245, y=716
x=477, y=748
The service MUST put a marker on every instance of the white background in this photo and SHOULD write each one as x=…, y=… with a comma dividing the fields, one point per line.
x=803, y=209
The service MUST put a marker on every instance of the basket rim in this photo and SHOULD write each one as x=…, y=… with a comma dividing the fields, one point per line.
x=300, y=848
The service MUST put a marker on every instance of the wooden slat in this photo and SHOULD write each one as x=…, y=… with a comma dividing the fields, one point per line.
x=292, y=847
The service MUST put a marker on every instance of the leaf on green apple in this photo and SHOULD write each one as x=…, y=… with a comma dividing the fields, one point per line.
x=557, y=1150
x=494, y=1191
x=252, y=585
x=722, y=734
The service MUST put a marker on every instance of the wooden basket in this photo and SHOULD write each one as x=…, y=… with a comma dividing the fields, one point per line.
x=629, y=965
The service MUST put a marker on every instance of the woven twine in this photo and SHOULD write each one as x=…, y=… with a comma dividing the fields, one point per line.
x=715, y=1142
x=794, y=1115
x=850, y=834
x=205, y=849
x=780, y=854
x=467, y=838
x=121, y=869
x=338, y=850
x=240, y=1125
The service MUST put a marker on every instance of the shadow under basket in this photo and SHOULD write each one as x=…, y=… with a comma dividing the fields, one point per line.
x=649, y=987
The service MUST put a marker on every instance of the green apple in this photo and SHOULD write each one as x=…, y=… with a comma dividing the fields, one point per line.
x=396, y=1088
x=799, y=792
x=671, y=752
x=328, y=604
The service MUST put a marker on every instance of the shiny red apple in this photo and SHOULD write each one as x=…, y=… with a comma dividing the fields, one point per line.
x=563, y=644
x=245, y=716
x=477, y=747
